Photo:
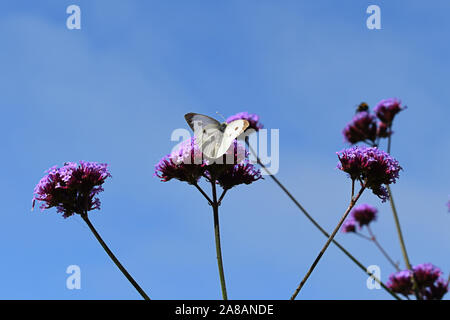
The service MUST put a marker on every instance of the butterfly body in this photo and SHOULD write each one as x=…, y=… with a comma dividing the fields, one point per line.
x=214, y=138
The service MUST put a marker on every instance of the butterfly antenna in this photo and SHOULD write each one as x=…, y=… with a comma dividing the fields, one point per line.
x=221, y=116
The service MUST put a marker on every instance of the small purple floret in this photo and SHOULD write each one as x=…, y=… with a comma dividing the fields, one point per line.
x=185, y=163
x=349, y=226
x=387, y=109
x=363, y=127
x=364, y=214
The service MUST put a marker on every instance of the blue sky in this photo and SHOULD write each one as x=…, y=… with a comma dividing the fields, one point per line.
x=116, y=89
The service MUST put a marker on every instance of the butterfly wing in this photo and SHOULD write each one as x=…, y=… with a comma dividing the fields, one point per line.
x=195, y=120
x=232, y=131
x=210, y=144
x=207, y=132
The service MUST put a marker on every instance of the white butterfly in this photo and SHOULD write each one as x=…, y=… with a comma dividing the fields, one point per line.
x=214, y=138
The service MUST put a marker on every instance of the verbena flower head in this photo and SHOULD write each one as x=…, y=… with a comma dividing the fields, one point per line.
x=233, y=168
x=372, y=166
x=252, y=118
x=349, y=226
x=185, y=163
x=428, y=278
x=387, y=109
x=364, y=214
x=437, y=290
x=241, y=173
x=72, y=188
x=363, y=127
x=426, y=274
x=401, y=282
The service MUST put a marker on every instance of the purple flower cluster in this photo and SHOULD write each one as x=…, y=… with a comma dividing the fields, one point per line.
x=361, y=215
x=349, y=226
x=426, y=274
x=242, y=173
x=371, y=166
x=430, y=284
x=364, y=214
x=387, y=109
x=364, y=126
x=252, y=118
x=188, y=164
x=401, y=282
x=437, y=290
x=185, y=163
x=72, y=188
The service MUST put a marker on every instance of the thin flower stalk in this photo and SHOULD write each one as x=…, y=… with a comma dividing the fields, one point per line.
x=399, y=229
x=73, y=189
x=114, y=259
x=318, y=226
x=215, y=206
x=330, y=239
x=373, y=168
x=188, y=164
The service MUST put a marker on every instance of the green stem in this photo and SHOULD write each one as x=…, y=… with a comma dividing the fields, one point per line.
x=215, y=205
x=353, y=189
x=401, y=240
x=397, y=225
x=330, y=239
x=113, y=257
x=319, y=227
